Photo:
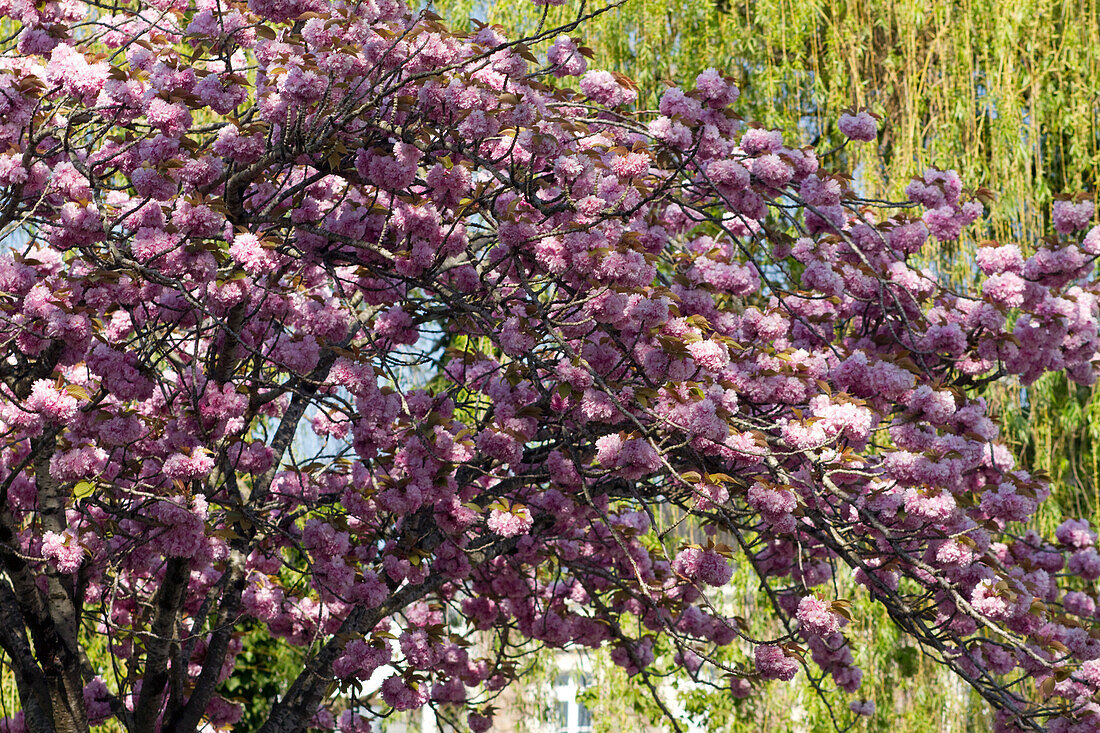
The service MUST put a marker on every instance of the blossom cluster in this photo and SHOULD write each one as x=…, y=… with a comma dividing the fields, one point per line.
x=357, y=331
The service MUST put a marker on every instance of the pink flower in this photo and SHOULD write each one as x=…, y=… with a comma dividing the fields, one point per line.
x=350, y=722
x=729, y=175
x=182, y=467
x=566, y=58
x=69, y=68
x=816, y=618
x=96, y=701
x=805, y=435
x=360, y=659
x=943, y=224
x=930, y=507
x=603, y=88
x=675, y=103
x=219, y=403
x=774, y=505
x=773, y=664
x=240, y=148
x=717, y=91
x=1076, y=533
x=633, y=458
x=510, y=523
x=185, y=525
x=396, y=325
x=740, y=688
x=861, y=126
x=404, y=696
x=994, y=260
x=687, y=562
x=171, y=119
x=249, y=252
x=221, y=713
x=149, y=183
x=714, y=569
x=757, y=140
x=448, y=186
x=52, y=403
x=419, y=650
x=908, y=238
x=630, y=165
x=608, y=448
x=78, y=463
x=672, y=133
x=36, y=42
x=221, y=97
x=515, y=340
x=149, y=244
x=707, y=566
x=771, y=170
x=862, y=707
x=298, y=355
x=633, y=657
x=936, y=188
x=638, y=458
x=390, y=172
x=1085, y=563
x=710, y=355
x=987, y=600
x=63, y=551
x=1090, y=672
x=1091, y=243
x=479, y=723
x=1079, y=604
x=1069, y=216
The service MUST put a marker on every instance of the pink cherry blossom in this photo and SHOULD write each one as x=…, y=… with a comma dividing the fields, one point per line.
x=860, y=126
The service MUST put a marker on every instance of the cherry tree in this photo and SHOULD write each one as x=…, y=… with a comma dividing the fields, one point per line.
x=322, y=317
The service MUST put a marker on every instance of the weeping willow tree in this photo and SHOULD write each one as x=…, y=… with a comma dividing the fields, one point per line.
x=1005, y=92
x=1058, y=432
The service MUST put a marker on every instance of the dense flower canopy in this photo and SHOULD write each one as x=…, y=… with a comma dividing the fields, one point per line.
x=326, y=318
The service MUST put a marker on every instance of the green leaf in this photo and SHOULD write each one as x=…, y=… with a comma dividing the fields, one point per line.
x=77, y=391
x=83, y=489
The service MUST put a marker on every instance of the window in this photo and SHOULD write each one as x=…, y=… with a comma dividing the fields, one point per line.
x=571, y=716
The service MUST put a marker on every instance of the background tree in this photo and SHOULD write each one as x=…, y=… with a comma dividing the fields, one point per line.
x=249, y=224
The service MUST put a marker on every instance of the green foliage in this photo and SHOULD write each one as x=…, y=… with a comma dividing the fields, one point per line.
x=260, y=676
x=1057, y=431
x=9, y=695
